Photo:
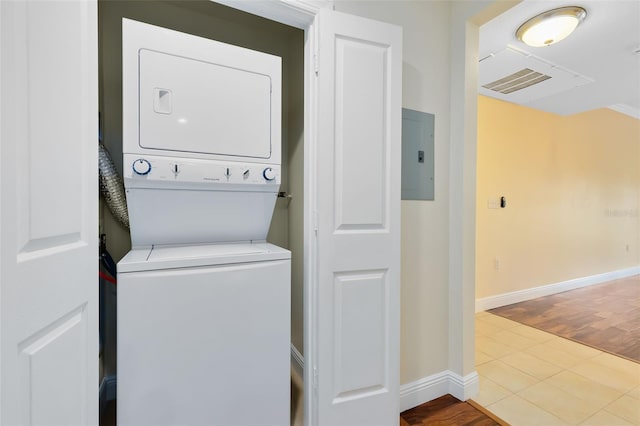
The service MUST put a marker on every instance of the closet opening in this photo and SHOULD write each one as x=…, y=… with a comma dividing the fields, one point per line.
x=221, y=23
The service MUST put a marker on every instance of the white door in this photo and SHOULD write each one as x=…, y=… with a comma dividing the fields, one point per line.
x=358, y=203
x=48, y=213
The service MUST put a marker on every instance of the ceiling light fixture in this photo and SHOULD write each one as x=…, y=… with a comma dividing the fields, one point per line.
x=550, y=27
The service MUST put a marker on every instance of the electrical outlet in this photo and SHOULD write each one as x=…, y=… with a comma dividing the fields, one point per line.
x=496, y=264
x=493, y=203
x=627, y=247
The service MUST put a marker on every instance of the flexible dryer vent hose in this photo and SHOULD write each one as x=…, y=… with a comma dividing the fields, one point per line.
x=111, y=187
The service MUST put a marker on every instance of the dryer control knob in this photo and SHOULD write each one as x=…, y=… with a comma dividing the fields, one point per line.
x=141, y=167
x=269, y=174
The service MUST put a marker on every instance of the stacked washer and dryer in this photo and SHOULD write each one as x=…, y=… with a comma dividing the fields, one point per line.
x=203, y=299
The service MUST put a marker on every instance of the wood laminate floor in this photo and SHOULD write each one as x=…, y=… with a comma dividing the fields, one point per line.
x=444, y=411
x=449, y=411
x=604, y=316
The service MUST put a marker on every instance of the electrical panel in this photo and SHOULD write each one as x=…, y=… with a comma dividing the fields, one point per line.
x=417, y=155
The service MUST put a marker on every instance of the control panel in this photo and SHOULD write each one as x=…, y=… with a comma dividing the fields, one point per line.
x=188, y=171
x=141, y=167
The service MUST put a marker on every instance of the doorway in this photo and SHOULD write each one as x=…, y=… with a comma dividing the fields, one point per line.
x=214, y=21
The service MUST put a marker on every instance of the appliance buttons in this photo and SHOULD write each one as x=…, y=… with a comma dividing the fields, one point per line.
x=141, y=167
x=269, y=174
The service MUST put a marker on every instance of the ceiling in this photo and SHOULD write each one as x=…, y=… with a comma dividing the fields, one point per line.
x=597, y=66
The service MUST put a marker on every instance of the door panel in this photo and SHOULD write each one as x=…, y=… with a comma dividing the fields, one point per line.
x=55, y=355
x=47, y=108
x=48, y=214
x=361, y=336
x=358, y=163
x=361, y=191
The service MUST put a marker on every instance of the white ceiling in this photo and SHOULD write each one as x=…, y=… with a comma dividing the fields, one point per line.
x=602, y=49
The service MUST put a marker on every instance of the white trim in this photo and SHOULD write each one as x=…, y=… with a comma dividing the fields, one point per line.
x=626, y=109
x=297, y=361
x=504, y=299
x=465, y=387
x=423, y=390
x=310, y=293
x=439, y=384
x=296, y=13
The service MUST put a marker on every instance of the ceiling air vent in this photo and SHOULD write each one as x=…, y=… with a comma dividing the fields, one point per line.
x=516, y=81
x=514, y=75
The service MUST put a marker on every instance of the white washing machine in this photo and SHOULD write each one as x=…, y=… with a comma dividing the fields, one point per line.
x=203, y=300
x=203, y=336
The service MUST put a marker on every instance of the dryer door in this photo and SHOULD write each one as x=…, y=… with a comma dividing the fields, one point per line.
x=190, y=105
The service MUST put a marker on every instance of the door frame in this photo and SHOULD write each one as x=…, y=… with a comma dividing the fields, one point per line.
x=302, y=14
x=465, y=25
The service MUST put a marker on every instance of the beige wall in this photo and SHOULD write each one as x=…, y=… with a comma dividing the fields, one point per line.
x=572, y=186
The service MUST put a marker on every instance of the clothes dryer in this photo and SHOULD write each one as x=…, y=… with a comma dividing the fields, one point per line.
x=201, y=137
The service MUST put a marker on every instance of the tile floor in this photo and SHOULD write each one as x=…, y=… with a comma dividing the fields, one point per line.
x=530, y=377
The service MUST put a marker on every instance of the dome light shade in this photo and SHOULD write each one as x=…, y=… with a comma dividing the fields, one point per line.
x=550, y=27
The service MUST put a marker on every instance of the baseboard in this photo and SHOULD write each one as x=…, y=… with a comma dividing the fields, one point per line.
x=422, y=390
x=439, y=384
x=504, y=299
x=108, y=390
x=297, y=361
x=466, y=387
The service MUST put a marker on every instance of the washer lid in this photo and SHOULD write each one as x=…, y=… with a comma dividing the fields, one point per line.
x=172, y=257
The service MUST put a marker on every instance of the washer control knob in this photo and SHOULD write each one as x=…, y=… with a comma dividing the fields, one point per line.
x=269, y=174
x=141, y=167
